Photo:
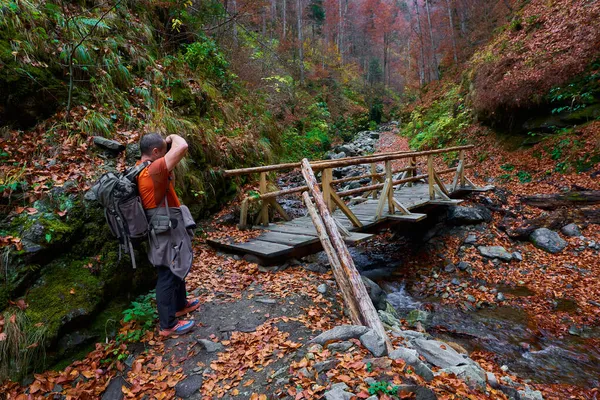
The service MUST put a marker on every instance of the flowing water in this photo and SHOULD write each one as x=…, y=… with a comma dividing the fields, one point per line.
x=506, y=332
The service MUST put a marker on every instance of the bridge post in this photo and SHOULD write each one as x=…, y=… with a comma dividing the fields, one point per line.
x=374, y=179
x=390, y=192
x=413, y=169
x=430, y=177
x=264, y=210
x=326, y=178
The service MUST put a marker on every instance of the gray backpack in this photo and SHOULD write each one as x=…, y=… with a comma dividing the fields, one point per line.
x=118, y=194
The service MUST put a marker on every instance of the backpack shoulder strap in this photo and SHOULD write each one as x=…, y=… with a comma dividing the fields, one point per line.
x=136, y=170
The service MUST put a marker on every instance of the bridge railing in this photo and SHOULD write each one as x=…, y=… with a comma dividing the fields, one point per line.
x=381, y=186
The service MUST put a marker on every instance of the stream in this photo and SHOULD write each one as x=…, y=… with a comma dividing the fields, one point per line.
x=506, y=332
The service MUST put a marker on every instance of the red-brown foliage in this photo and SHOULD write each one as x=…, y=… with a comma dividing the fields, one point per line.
x=546, y=46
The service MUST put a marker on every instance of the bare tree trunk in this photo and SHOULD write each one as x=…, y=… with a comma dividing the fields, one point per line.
x=420, y=33
x=300, y=41
x=341, y=31
x=433, y=56
x=452, y=32
x=235, y=31
x=385, y=58
x=570, y=199
x=284, y=18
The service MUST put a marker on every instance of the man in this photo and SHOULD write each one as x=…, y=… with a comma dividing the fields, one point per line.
x=170, y=247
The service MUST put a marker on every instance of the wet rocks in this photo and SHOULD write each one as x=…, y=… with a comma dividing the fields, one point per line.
x=411, y=357
x=571, y=230
x=374, y=343
x=438, y=353
x=340, y=333
x=322, y=288
x=376, y=294
x=459, y=215
x=495, y=252
x=471, y=373
x=547, y=240
x=339, y=347
x=463, y=266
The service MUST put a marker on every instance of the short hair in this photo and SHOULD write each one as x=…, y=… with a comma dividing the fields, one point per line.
x=151, y=141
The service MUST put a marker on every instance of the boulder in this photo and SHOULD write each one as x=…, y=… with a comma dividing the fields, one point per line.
x=374, y=343
x=340, y=333
x=113, y=391
x=339, y=347
x=411, y=357
x=495, y=252
x=324, y=366
x=459, y=215
x=438, y=353
x=571, y=230
x=189, y=386
x=547, y=240
x=529, y=394
x=338, y=392
x=471, y=373
x=376, y=294
x=108, y=144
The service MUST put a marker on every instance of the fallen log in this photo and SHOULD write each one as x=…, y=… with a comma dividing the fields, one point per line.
x=570, y=199
x=367, y=313
x=555, y=220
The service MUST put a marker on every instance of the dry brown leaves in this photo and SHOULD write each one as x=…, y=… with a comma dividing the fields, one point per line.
x=244, y=352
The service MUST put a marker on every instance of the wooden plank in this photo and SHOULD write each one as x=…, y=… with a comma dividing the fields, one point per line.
x=289, y=239
x=255, y=247
x=244, y=214
x=390, y=192
x=412, y=217
x=430, y=177
x=293, y=229
x=445, y=202
x=356, y=237
x=476, y=190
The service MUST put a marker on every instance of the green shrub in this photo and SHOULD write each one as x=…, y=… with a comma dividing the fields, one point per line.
x=143, y=314
x=206, y=56
x=382, y=387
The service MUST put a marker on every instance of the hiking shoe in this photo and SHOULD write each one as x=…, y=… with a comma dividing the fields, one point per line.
x=179, y=329
x=189, y=307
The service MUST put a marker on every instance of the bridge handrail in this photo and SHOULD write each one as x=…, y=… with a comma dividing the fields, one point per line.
x=344, y=162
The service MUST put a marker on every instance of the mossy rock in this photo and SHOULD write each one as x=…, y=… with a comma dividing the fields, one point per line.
x=66, y=294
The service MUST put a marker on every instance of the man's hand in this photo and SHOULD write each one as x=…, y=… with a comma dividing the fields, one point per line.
x=178, y=149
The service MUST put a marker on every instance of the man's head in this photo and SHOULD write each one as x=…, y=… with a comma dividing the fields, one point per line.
x=153, y=146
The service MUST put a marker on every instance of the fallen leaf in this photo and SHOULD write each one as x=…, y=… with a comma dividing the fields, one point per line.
x=72, y=291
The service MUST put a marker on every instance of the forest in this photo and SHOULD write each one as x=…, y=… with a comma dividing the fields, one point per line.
x=492, y=292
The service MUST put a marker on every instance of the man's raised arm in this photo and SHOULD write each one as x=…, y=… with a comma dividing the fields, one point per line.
x=178, y=149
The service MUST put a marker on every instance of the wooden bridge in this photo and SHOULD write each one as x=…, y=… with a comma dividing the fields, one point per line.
x=393, y=196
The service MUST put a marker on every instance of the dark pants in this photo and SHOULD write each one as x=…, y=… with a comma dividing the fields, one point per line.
x=170, y=297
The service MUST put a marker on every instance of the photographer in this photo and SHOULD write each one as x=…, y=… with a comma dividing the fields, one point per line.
x=170, y=247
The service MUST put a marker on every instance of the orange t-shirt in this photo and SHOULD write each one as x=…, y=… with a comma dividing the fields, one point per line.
x=153, y=182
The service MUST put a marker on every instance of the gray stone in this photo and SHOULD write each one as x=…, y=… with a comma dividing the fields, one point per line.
x=376, y=294
x=339, y=333
x=388, y=319
x=409, y=335
x=417, y=316
x=463, y=265
x=108, y=144
x=423, y=393
x=113, y=391
x=409, y=355
x=266, y=301
x=529, y=394
x=517, y=256
x=322, y=288
x=495, y=252
x=471, y=299
x=547, y=240
x=455, y=281
x=438, y=353
x=471, y=239
x=339, y=347
x=571, y=230
x=338, y=392
x=450, y=268
x=492, y=380
x=210, y=346
x=500, y=296
x=189, y=386
x=459, y=215
x=374, y=343
x=471, y=373
x=326, y=365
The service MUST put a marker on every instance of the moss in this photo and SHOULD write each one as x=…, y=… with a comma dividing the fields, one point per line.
x=65, y=292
